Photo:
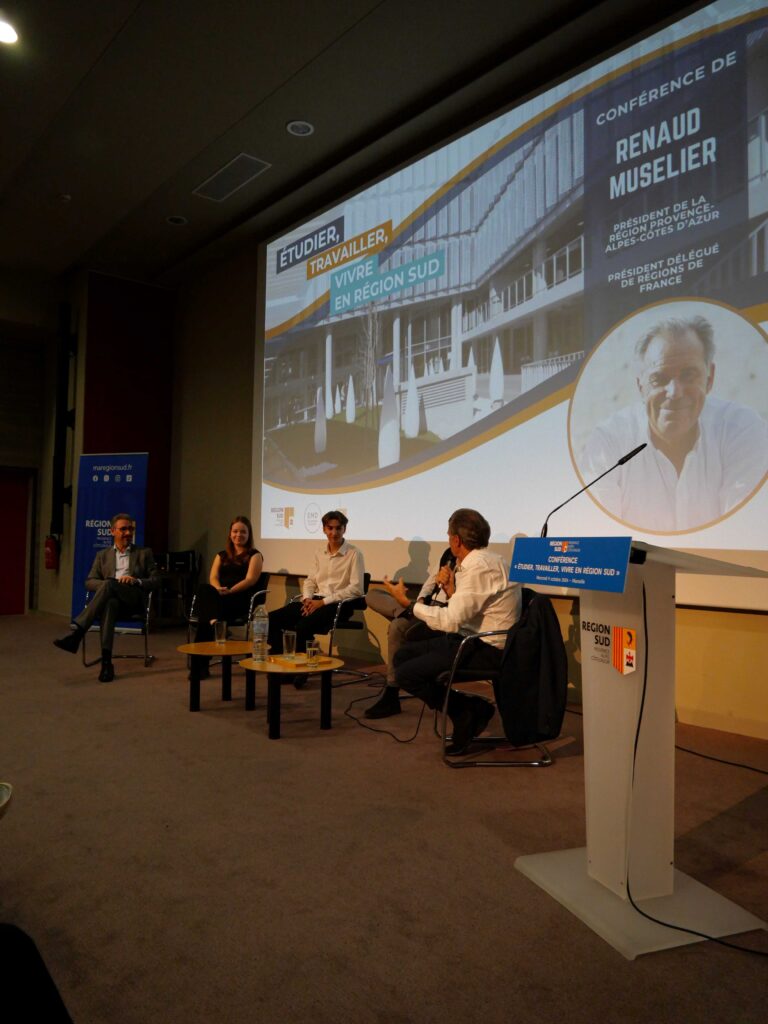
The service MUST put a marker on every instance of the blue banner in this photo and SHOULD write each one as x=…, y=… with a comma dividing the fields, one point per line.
x=589, y=563
x=106, y=485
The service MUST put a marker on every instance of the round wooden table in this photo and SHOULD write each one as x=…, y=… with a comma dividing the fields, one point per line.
x=226, y=651
x=277, y=668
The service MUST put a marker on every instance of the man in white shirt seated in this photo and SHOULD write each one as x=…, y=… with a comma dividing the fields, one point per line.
x=704, y=455
x=120, y=577
x=480, y=598
x=337, y=576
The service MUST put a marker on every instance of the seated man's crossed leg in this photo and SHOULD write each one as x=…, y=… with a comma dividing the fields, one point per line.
x=111, y=601
x=417, y=667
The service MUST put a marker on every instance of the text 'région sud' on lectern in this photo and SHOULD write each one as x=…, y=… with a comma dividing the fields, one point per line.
x=627, y=618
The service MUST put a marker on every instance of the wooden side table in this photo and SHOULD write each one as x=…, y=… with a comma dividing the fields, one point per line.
x=277, y=668
x=225, y=651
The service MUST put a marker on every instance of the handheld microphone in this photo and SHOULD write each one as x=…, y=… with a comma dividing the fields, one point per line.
x=622, y=460
x=448, y=559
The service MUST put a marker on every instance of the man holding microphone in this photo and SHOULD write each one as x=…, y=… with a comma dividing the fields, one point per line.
x=480, y=598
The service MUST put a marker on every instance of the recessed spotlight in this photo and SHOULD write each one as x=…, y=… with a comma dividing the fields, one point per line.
x=299, y=128
x=8, y=33
x=176, y=220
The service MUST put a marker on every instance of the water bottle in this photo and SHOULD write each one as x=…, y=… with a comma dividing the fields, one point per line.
x=260, y=627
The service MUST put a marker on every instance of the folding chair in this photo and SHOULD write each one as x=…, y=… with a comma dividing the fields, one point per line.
x=257, y=597
x=131, y=625
x=355, y=604
x=531, y=706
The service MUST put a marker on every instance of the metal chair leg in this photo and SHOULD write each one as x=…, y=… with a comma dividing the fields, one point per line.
x=356, y=673
x=492, y=742
x=544, y=761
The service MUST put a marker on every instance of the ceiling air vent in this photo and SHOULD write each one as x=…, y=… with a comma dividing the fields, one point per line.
x=232, y=176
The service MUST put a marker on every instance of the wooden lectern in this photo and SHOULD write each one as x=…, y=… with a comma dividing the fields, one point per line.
x=630, y=798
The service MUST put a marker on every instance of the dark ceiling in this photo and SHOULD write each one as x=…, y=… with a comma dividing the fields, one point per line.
x=112, y=112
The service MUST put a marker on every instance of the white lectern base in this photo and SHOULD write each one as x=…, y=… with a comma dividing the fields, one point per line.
x=563, y=874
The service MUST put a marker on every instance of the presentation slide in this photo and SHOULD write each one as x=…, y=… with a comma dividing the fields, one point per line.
x=501, y=321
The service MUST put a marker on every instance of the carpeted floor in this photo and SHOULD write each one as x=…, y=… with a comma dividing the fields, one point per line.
x=181, y=868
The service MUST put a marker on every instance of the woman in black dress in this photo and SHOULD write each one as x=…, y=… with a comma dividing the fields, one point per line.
x=234, y=574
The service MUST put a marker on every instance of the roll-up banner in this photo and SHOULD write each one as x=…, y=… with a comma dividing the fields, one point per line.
x=107, y=484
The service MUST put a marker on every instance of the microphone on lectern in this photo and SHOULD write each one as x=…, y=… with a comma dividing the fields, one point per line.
x=622, y=460
x=625, y=458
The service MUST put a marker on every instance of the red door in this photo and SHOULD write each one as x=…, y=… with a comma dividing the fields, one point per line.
x=14, y=514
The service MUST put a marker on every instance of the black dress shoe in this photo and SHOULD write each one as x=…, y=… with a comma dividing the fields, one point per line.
x=70, y=642
x=107, y=673
x=387, y=705
x=472, y=718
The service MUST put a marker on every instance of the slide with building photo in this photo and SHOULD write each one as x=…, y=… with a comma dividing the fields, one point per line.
x=501, y=320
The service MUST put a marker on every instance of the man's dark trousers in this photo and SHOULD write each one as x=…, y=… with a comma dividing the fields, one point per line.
x=419, y=663
x=290, y=616
x=111, y=602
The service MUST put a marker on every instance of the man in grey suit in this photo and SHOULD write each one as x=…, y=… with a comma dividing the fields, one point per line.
x=120, y=577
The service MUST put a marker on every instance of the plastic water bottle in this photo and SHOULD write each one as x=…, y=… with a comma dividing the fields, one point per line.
x=260, y=628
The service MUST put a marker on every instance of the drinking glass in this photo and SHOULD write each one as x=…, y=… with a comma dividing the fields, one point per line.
x=289, y=643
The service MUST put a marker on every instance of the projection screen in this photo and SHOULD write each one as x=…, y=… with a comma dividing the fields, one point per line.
x=499, y=321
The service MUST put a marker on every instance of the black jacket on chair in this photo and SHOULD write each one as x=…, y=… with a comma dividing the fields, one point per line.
x=533, y=679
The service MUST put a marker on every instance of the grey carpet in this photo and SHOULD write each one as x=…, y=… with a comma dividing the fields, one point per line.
x=181, y=867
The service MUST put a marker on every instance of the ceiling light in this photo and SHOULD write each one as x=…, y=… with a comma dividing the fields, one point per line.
x=8, y=33
x=299, y=128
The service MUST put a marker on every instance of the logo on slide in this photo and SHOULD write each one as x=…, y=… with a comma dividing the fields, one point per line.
x=312, y=518
x=282, y=515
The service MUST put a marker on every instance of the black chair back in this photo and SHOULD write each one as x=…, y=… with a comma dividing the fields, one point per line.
x=262, y=583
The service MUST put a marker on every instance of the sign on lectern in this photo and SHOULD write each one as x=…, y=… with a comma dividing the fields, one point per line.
x=587, y=563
